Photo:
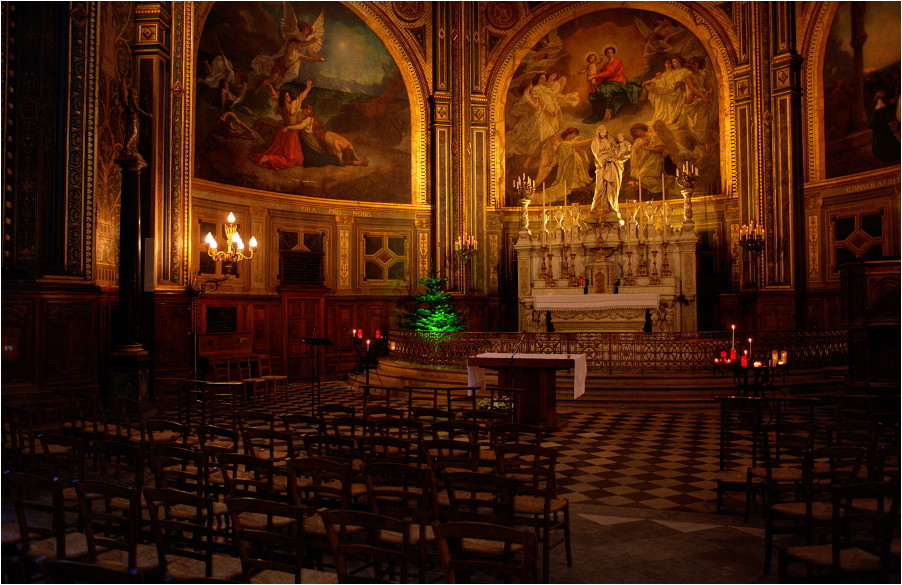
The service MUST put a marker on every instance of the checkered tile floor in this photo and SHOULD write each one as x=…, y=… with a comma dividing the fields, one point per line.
x=658, y=461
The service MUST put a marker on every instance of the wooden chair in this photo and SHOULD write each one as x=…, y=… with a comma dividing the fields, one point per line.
x=256, y=388
x=741, y=418
x=456, y=429
x=278, y=383
x=366, y=542
x=297, y=425
x=118, y=462
x=256, y=419
x=484, y=421
x=182, y=469
x=167, y=432
x=405, y=491
x=350, y=426
x=213, y=403
x=271, y=542
x=183, y=532
x=444, y=455
x=377, y=395
x=331, y=446
x=428, y=416
x=536, y=503
x=477, y=551
x=277, y=446
x=217, y=436
x=319, y=482
x=865, y=520
x=60, y=571
x=384, y=449
x=44, y=529
x=400, y=428
x=478, y=497
x=330, y=411
x=779, y=473
x=63, y=456
x=379, y=412
x=113, y=532
x=823, y=471
x=246, y=476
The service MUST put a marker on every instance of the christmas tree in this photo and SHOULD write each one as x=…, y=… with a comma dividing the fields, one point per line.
x=436, y=314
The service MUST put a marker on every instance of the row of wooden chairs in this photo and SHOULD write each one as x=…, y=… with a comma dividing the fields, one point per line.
x=262, y=384
x=449, y=398
x=315, y=482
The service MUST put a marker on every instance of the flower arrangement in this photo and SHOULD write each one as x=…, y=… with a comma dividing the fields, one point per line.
x=500, y=403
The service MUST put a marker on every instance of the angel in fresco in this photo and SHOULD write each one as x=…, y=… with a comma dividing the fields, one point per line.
x=302, y=42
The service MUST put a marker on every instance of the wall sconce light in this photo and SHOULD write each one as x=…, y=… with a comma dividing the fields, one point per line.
x=235, y=250
x=751, y=237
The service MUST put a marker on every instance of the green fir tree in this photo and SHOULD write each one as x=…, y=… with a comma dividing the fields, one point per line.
x=435, y=312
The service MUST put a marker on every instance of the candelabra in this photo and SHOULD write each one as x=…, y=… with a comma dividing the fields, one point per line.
x=465, y=248
x=524, y=187
x=751, y=238
x=643, y=262
x=549, y=280
x=687, y=178
x=665, y=261
x=543, y=273
x=629, y=280
x=654, y=279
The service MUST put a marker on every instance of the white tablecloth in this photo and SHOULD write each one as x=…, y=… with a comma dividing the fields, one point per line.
x=584, y=303
x=476, y=375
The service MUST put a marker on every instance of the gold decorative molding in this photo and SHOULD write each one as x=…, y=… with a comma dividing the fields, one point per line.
x=814, y=252
x=494, y=248
x=423, y=264
x=344, y=258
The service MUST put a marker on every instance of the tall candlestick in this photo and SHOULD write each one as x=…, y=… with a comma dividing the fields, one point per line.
x=663, y=188
x=640, y=191
x=733, y=337
x=750, y=347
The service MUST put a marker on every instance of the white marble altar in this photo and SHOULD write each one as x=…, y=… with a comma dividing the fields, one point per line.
x=604, y=273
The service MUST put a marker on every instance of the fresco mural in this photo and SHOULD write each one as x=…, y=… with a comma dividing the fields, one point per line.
x=300, y=98
x=861, y=88
x=630, y=92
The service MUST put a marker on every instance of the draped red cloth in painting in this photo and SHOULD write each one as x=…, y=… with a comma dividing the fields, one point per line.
x=284, y=152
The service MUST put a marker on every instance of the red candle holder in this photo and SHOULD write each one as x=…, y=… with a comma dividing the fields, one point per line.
x=744, y=361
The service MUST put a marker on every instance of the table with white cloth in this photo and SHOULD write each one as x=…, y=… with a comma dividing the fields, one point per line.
x=536, y=375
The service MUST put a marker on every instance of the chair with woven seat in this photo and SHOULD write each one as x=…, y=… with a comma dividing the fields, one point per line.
x=484, y=421
x=386, y=449
x=823, y=471
x=217, y=436
x=321, y=482
x=427, y=416
x=445, y=455
x=277, y=446
x=46, y=529
x=350, y=426
x=185, y=470
x=862, y=539
x=63, y=456
x=270, y=540
x=779, y=470
x=159, y=431
x=113, y=531
x=332, y=446
x=256, y=388
x=246, y=476
x=118, y=462
x=278, y=383
x=740, y=428
x=477, y=551
x=183, y=531
x=457, y=429
x=331, y=410
x=361, y=542
x=536, y=503
x=400, y=428
x=475, y=496
x=297, y=425
x=405, y=491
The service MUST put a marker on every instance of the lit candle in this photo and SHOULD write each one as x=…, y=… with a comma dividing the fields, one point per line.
x=353, y=333
x=378, y=334
x=367, y=345
x=784, y=355
x=774, y=357
x=733, y=337
x=750, y=346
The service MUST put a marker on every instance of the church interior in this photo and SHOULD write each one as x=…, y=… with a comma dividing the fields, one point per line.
x=652, y=233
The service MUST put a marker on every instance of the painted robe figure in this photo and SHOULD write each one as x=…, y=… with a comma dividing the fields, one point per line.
x=609, y=155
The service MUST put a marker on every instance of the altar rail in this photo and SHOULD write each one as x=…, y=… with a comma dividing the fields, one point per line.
x=688, y=352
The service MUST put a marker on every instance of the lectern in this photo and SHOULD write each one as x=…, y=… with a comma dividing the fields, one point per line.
x=536, y=376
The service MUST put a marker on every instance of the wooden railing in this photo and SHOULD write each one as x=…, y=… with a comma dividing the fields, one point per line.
x=688, y=352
